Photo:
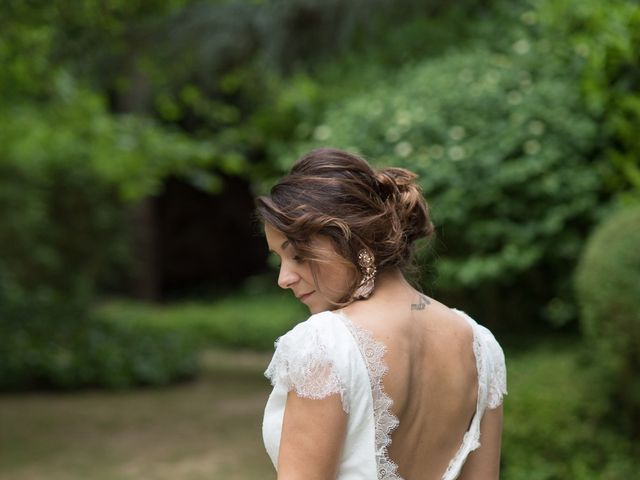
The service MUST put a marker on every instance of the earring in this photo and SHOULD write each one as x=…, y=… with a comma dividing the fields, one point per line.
x=367, y=264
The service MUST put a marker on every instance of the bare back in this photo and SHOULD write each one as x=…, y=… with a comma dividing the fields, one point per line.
x=433, y=381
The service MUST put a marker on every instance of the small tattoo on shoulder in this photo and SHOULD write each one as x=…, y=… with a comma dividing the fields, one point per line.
x=422, y=304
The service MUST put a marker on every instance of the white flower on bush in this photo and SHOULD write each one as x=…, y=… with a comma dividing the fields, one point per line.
x=531, y=147
x=322, y=132
x=457, y=132
x=521, y=47
x=403, y=118
x=403, y=149
x=456, y=153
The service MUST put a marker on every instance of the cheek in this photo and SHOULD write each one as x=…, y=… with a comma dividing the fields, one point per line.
x=336, y=279
x=306, y=274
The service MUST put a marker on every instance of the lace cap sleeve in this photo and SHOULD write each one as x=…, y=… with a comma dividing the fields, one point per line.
x=491, y=365
x=497, y=370
x=305, y=360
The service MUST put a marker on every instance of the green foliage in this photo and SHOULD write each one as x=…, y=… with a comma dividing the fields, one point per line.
x=25, y=48
x=74, y=130
x=302, y=98
x=243, y=321
x=502, y=145
x=550, y=432
x=608, y=287
x=603, y=39
x=54, y=342
x=68, y=172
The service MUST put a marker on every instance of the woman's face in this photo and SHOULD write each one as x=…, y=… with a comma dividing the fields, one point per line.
x=334, y=278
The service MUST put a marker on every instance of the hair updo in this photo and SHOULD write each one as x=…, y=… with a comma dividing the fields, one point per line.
x=338, y=194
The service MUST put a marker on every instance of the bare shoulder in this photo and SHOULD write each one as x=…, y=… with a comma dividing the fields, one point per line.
x=421, y=335
x=408, y=315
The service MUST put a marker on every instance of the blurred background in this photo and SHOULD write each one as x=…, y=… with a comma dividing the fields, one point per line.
x=138, y=304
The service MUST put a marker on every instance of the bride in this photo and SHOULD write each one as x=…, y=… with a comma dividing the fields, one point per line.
x=381, y=381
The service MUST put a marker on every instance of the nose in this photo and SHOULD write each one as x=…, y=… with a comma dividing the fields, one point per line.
x=287, y=277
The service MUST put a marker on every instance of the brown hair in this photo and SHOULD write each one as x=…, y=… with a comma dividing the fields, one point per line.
x=338, y=194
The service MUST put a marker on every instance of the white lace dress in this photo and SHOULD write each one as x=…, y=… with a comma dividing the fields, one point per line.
x=328, y=354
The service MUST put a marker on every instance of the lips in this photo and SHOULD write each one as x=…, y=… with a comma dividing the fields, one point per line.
x=304, y=296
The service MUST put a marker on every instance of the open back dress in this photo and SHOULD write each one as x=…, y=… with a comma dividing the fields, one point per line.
x=328, y=354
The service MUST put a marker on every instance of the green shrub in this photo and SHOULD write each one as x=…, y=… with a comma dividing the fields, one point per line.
x=52, y=341
x=602, y=39
x=68, y=174
x=502, y=144
x=608, y=288
x=251, y=321
x=549, y=433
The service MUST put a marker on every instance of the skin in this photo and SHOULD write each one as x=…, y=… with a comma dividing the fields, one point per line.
x=295, y=273
x=432, y=377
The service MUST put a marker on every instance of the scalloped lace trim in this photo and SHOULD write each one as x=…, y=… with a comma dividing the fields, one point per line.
x=498, y=384
x=304, y=365
x=385, y=421
x=470, y=441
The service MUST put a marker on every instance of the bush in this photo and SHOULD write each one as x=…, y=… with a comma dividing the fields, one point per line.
x=608, y=287
x=68, y=174
x=502, y=144
x=549, y=433
x=603, y=40
x=239, y=321
x=50, y=341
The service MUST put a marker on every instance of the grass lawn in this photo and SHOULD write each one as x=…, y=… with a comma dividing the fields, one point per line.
x=206, y=429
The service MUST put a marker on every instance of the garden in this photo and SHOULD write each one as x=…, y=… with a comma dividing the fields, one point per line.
x=138, y=302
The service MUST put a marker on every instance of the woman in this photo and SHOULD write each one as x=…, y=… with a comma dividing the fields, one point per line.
x=381, y=382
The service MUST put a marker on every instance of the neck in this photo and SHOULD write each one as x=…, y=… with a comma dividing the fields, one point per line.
x=390, y=284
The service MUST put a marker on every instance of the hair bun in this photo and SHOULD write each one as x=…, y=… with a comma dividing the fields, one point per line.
x=396, y=179
x=399, y=188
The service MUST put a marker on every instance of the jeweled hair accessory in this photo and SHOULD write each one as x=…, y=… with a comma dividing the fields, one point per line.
x=367, y=263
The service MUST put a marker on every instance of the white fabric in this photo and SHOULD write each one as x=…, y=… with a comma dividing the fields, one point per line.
x=328, y=354
x=492, y=386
